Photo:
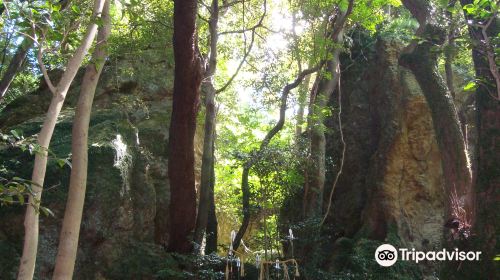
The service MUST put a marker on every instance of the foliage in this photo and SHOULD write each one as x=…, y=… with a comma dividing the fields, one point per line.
x=178, y=267
x=401, y=28
x=24, y=83
x=13, y=189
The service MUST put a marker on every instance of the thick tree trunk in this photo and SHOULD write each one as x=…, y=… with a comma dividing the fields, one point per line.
x=182, y=128
x=422, y=61
x=488, y=179
x=207, y=163
x=27, y=264
x=68, y=244
x=456, y=165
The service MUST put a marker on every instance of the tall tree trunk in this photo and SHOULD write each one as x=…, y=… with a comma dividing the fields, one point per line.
x=207, y=163
x=27, y=264
x=212, y=225
x=449, y=52
x=182, y=128
x=68, y=244
x=206, y=166
x=488, y=177
x=422, y=61
x=448, y=67
x=313, y=195
x=449, y=71
x=4, y=51
x=315, y=184
x=487, y=188
x=302, y=101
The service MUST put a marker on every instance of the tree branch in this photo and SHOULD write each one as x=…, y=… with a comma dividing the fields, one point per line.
x=51, y=86
x=257, y=25
x=341, y=21
x=245, y=56
x=226, y=5
x=265, y=142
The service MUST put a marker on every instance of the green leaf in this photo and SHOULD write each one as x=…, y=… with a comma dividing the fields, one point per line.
x=99, y=21
x=20, y=198
x=99, y=63
x=15, y=133
x=343, y=5
x=470, y=9
x=443, y=3
x=47, y=211
x=470, y=86
x=56, y=8
x=61, y=162
x=8, y=199
x=75, y=9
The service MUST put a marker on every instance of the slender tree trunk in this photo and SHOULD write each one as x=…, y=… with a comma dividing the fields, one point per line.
x=449, y=72
x=316, y=170
x=182, y=128
x=449, y=53
x=207, y=163
x=315, y=175
x=27, y=264
x=212, y=225
x=68, y=244
x=206, y=166
x=302, y=101
x=4, y=51
x=422, y=61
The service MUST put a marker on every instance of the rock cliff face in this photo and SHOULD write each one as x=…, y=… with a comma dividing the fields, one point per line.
x=391, y=188
x=126, y=206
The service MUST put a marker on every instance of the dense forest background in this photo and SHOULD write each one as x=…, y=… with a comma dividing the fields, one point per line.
x=248, y=139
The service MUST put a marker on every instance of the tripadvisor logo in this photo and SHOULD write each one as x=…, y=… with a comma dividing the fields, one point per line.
x=386, y=255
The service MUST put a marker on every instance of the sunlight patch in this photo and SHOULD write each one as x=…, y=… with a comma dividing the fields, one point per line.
x=123, y=160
